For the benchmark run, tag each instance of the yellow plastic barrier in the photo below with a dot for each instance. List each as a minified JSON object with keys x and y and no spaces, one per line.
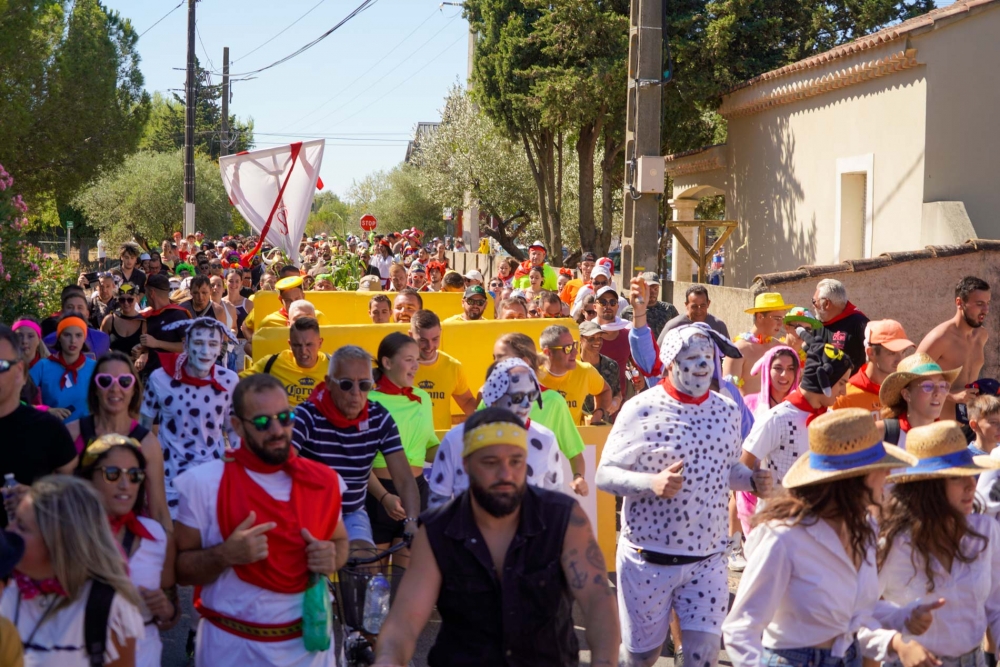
{"x":352,"y":307}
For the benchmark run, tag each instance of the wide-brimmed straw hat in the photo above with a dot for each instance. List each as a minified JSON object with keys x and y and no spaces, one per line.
{"x":844,"y":443}
{"x":941,"y":451}
{"x":909,"y":369}
{"x":768,"y":302}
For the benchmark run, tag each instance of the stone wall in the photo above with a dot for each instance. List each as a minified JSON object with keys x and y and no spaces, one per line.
{"x":727,"y":303}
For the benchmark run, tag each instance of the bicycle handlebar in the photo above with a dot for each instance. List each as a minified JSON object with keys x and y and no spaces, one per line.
{"x":407,"y":540}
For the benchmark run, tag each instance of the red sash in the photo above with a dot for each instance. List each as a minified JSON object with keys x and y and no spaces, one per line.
{"x":314,"y":504}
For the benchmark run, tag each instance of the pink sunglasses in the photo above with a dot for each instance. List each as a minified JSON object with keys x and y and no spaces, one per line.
{"x":105,"y":380}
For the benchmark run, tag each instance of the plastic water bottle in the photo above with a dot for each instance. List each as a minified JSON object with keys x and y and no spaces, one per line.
{"x":376,"y":603}
{"x":316,"y":614}
{"x":9,"y":484}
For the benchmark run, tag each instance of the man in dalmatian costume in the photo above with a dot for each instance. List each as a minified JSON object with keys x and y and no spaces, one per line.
{"x":674,"y":454}
{"x":192,"y":397}
{"x":511,"y":385}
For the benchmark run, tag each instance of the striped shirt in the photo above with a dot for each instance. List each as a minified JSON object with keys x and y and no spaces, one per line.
{"x":350,"y":452}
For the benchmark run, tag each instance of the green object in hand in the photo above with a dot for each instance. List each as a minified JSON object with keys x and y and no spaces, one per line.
{"x":316,"y":614}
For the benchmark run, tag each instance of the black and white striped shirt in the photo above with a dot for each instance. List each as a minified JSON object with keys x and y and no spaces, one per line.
{"x":351,"y":451}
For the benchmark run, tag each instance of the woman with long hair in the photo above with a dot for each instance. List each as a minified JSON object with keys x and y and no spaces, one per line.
{"x":64,"y":376}
{"x":113,"y":398}
{"x":935,"y":551}
{"x":913,"y":396}
{"x":116,"y":467}
{"x":69,"y":556}
{"x":506,"y":273}
{"x":125,"y":326}
{"x":29,"y":331}
{"x":226,"y":313}
{"x":810,"y":588}
{"x":535,"y":276}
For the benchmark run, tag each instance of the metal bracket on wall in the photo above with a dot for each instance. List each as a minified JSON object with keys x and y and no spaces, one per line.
{"x":701,"y":256}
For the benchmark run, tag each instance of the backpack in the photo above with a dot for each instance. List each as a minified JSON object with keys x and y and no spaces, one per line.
{"x":95,"y":621}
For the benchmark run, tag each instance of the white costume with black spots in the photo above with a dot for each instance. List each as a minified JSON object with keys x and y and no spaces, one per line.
{"x":194,"y":422}
{"x":778,"y":438}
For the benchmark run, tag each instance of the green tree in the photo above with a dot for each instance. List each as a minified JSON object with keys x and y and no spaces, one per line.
{"x":143,"y":199}
{"x":329,"y":214}
{"x":398,"y":199}
{"x":71,"y":95}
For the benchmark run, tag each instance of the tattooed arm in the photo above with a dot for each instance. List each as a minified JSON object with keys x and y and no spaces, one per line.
{"x":587,"y":575}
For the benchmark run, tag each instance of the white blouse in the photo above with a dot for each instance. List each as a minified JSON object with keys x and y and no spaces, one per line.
{"x":971,"y":592}
{"x":145,"y":571}
{"x":801,"y":589}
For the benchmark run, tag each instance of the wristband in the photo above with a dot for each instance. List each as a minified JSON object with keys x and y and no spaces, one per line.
{"x":409,"y":519}
{"x":383,"y":497}
{"x":577,"y":475}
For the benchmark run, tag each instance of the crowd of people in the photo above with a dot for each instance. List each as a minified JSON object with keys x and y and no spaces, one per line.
{"x":851,"y":474}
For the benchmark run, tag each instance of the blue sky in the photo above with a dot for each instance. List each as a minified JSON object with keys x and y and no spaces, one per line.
{"x":327,"y":92}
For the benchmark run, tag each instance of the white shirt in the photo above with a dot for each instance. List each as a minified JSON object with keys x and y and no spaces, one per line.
{"x":800,"y":589}
{"x":101,"y":251}
{"x":971,"y":591}
{"x":145,"y":571}
{"x":64,"y":629}
{"x":778,"y":438}
{"x":382,"y":264}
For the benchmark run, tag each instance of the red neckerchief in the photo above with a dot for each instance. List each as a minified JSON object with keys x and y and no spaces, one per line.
{"x":170,"y":368}
{"x":799,"y":401}
{"x":69,"y":370}
{"x":38,"y":357}
{"x":284,"y":313}
{"x":677,"y":394}
{"x":170,"y":306}
{"x":324,"y":403}
{"x":132,"y":523}
{"x":314,"y":505}
{"x":864,"y":383}
{"x":523,"y":269}
{"x":849,"y":310}
{"x":31,"y":589}
{"x":386,"y":386}
{"x":904,"y":423}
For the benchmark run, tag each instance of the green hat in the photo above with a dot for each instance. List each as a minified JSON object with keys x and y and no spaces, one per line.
{"x":475,"y":290}
{"x":800,"y":314}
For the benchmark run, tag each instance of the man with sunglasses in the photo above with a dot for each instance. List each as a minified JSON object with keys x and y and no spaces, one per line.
{"x":339,"y":427}
{"x":575,"y":380}
{"x":473,"y":305}
{"x":615,"y":346}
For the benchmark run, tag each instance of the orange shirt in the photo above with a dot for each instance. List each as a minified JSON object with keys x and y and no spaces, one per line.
{"x":569,"y":290}
{"x":861,"y":393}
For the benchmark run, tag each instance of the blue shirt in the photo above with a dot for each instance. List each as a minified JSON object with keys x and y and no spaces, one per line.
{"x":47,"y":374}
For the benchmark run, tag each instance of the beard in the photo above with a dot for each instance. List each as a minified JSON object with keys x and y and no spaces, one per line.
{"x":272,"y":457}
{"x":975,"y":324}
{"x":497,"y":504}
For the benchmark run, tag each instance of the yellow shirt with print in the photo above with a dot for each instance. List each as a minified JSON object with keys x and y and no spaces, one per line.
{"x":575,"y":386}
{"x":442,"y":380}
{"x":298,"y":382}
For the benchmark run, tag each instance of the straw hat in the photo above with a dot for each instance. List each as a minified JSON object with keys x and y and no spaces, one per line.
{"x":909,"y":369}
{"x":767,"y":302}
{"x":941,"y":451}
{"x":844,"y":443}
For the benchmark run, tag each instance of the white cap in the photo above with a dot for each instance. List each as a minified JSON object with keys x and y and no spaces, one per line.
{"x":605,"y":290}
{"x":537,"y":244}
{"x":474,"y":274}
{"x":600,"y":270}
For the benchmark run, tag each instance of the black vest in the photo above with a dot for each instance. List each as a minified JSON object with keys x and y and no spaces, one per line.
{"x":525,"y":619}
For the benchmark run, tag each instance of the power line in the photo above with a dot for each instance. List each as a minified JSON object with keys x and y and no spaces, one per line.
{"x":179,"y":4}
{"x":320,"y":136}
{"x":280,"y":33}
{"x":204,"y":50}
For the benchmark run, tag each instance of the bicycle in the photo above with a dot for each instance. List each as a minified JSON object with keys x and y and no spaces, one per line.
{"x":349,"y":589}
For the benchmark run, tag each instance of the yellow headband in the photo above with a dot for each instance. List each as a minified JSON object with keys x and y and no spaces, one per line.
{"x":497,"y":433}
{"x":104,"y":443}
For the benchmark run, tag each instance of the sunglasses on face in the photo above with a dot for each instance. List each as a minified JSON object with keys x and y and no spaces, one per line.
{"x":478,"y":303}
{"x":105,"y":380}
{"x":364,"y":386}
{"x":263,"y":422}
{"x":566,"y":349}
{"x":127,"y":299}
{"x":519,"y":397}
{"x":114,"y":473}
{"x":608,"y":303}
{"x":590,"y":313}
{"x":6,"y":365}
{"x":931,"y":387}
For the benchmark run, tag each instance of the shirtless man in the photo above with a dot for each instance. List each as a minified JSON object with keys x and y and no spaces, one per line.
{"x":960,"y":340}
{"x":768,"y":321}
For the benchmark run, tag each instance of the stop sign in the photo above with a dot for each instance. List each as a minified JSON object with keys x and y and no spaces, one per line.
{"x":368,"y":222}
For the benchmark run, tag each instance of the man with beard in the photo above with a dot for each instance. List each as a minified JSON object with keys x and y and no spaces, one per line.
{"x":488,"y":562}
{"x":959,"y":342}
{"x":673,"y":454}
{"x":191,"y":396}
{"x":251,"y":530}
{"x":474,"y":302}
{"x":407,"y":302}
{"x":397,"y":278}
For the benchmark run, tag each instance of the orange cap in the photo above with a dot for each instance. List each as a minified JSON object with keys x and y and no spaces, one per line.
{"x":887,"y":333}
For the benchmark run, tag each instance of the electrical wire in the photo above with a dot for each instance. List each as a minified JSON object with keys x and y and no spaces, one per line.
{"x":179,"y":4}
{"x":254,"y":50}
{"x":204,"y":50}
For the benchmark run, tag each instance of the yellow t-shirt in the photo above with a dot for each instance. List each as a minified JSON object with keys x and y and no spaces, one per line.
{"x":575,"y":386}
{"x":11,"y":653}
{"x":455,"y":318}
{"x":299,"y":382}
{"x":276,"y":319}
{"x":442,"y":380}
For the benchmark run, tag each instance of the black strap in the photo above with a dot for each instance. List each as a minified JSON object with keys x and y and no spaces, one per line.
{"x":139,"y":432}
{"x":127,"y":542}
{"x":95,"y":621}
{"x":270,"y":363}
{"x":892,"y":431}
{"x":88,"y":431}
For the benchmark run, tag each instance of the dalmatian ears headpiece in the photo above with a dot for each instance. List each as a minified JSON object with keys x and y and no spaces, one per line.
{"x":499,"y":380}
{"x":206,"y":322}
{"x":679,"y":337}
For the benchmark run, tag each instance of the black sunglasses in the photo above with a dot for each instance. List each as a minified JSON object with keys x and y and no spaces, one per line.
{"x":263,"y":422}
{"x":607,"y":303}
{"x":6,"y":365}
{"x":519,"y":397}
{"x":348,"y":385}
{"x":479,"y":303}
{"x":114,"y":473}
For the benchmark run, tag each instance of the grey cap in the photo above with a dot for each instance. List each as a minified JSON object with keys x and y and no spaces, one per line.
{"x":650,"y":277}
{"x":590,"y":328}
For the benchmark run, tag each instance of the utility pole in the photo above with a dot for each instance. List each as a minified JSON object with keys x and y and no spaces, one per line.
{"x":225,"y":101}
{"x":189,"y":126}
{"x":643,"y":163}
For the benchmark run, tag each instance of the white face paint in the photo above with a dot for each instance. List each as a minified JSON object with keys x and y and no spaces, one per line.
{"x":691,"y":371}
{"x":521,"y":393}
{"x":203,"y":347}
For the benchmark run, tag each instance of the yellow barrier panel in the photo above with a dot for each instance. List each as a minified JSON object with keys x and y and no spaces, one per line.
{"x":352,"y":307}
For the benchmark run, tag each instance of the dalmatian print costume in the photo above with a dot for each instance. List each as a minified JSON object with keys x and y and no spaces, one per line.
{"x":544,"y":462}
{"x":654,"y":430}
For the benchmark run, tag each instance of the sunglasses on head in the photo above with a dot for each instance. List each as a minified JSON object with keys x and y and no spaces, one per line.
{"x":347,"y":385}
{"x":263,"y":422}
{"x":114,"y":473}
{"x":105,"y":380}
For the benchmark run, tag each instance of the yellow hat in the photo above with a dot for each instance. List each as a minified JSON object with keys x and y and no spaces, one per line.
{"x":288,"y":283}
{"x":941,"y":451}
{"x":497,"y":433}
{"x":767,"y":302}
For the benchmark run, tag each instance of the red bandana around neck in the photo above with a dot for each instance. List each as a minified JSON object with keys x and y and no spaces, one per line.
{"x":284,"y":313}
{"x":904,"y":423}
{"x":153,"y":313}
{"x":849,"y":310}
{"x":677,"y":394}
{"x":69,"y":376}
{"x":314,"y":504}
{"x":799,"y":401}
{"x":864,"y":383}
{"x":31,"y":589}
{"x":181,"y":374}
{"x":324,"y":403}
{"x":132,"y":523}
{"x":388,"y":387}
